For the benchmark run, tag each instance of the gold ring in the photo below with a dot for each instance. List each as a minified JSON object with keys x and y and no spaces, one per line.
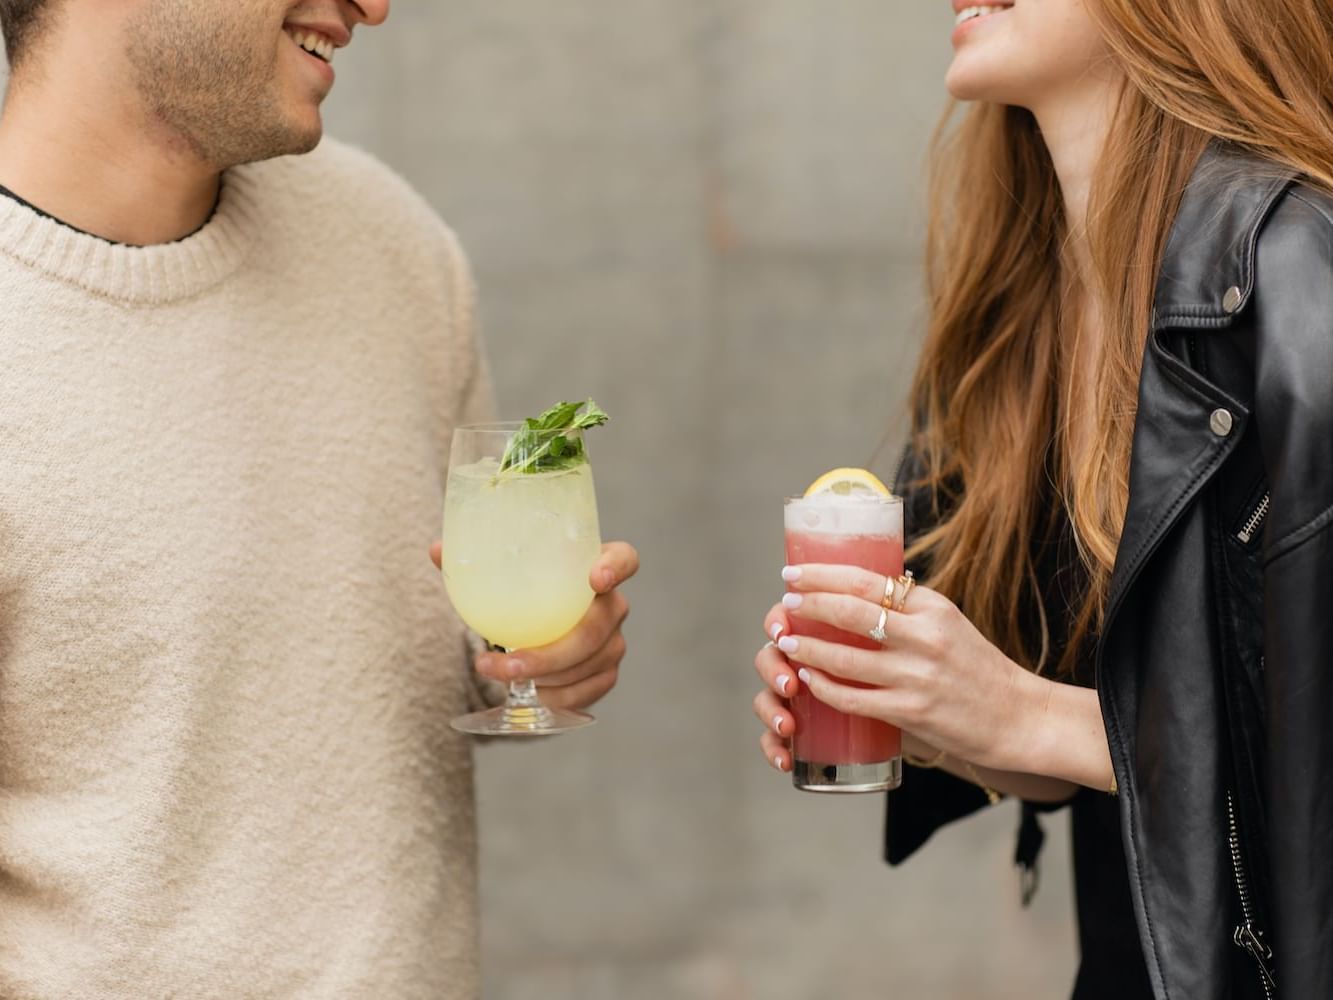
{"x":887,"y":601}
{"x":877,"y":633}
{"x":907,"y":581}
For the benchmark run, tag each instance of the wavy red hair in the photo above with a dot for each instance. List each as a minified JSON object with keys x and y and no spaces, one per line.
{"x":997,"y":394}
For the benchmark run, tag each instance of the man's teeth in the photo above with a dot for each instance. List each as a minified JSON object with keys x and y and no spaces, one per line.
{"x":314,"y":44}
{"x":967,"y":13}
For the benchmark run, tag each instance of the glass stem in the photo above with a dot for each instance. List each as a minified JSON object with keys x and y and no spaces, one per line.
{"x":523,"y":694}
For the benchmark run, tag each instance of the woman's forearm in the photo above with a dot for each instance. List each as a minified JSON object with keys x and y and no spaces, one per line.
{"x":1015,"y":784}
{"x":1062,"y":735}
{"x":1054,"y":744}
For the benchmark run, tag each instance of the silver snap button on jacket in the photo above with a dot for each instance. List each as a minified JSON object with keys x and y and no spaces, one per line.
{"x":1231,"y":300}
{"x":1221,"y":422}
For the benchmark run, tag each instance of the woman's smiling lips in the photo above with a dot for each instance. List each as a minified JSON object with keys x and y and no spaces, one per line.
{"x":968,"y":15}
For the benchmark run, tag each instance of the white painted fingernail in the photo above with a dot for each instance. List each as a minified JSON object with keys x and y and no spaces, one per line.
{"x":792,"y":601}
{"x":791,"y":573}
{"x":778,"y":761}
{"x":782,"y":682}
{"x":804,"y":675}
{"x":777,"y":724}
{"x":788,"y":644}
{"x":776,"y":631}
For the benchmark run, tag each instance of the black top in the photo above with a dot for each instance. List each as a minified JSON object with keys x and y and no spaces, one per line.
{"x":1112,"y":966}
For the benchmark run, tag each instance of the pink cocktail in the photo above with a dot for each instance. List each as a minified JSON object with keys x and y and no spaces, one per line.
{"x":833,"y":751}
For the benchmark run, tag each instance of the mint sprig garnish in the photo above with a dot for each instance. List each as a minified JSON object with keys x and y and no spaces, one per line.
{"x":540,"y":447}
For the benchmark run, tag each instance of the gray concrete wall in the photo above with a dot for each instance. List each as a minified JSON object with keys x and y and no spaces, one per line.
{"x":708,"y":215}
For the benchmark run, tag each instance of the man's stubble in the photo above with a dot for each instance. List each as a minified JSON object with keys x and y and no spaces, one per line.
{"x":208,"y":71}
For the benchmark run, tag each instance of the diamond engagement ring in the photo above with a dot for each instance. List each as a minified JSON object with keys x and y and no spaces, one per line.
{"x":877,"y":633}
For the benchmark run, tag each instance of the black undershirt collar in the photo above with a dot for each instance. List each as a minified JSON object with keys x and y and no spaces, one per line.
{"x":4,"y":191}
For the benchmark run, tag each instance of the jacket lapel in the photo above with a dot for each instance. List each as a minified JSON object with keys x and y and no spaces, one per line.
{"x":1205,"y":283}
{"x":1185,"y":429}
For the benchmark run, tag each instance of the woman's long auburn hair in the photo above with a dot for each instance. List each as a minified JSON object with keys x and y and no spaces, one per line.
{"x":996,"y":386}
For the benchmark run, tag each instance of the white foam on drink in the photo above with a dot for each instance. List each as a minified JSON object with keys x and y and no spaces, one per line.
{"x":841,"y":514}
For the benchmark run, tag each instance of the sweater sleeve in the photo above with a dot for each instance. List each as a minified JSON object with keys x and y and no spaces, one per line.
{"x":475,"y":405}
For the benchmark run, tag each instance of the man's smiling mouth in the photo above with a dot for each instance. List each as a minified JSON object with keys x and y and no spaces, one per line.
{"x":319,"y":46}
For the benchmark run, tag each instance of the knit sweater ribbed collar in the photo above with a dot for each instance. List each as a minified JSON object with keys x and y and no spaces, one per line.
{"x":154,"y":275}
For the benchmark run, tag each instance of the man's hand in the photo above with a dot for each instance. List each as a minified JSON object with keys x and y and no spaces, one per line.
{"x":578,"y":670}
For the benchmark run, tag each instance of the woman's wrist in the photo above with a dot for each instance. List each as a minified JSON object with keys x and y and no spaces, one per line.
{"x":1018,"y":719}
{"x":1058,"y":732}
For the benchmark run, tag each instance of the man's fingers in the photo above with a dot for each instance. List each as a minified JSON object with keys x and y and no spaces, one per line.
{"x":608,"y":656}
{"x":618,"y":562}
{"x":582,"y":694}
{"x":603,"y":618}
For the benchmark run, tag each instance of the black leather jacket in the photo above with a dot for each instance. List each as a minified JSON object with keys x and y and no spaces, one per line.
{"x":1215,"y":667}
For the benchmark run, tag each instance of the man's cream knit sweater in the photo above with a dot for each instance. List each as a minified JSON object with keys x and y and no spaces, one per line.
{"x":227,"y":666}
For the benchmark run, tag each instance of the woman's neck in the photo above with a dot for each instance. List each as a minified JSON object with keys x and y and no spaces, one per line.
{"x":1075,"y":125}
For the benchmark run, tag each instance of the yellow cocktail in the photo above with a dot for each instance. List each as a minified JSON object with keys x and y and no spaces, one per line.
{"x":520,"y":539}
{"x":518,"y":550}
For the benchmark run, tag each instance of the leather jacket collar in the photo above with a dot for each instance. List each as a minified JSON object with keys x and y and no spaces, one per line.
{"x":1207,"y":273}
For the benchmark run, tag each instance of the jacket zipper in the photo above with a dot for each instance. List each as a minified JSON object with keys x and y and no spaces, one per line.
{"x":1255,"y":520}
{"x":1246,"y":937}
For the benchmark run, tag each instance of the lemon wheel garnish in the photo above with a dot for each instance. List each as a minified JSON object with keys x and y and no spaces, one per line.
{"x":848,"y":482}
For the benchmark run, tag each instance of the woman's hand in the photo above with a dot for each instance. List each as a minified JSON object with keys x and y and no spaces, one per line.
{"x":770,"y":704}
{"x":774,"y":710}
{"x":935,"y":676}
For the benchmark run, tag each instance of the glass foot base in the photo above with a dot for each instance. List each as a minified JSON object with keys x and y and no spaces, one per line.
{"x":522,"y":720}
{"x":843,"y":779}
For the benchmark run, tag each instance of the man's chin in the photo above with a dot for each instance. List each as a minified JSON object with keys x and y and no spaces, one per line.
{"x":307,"y":139}
{"x":292,"y":140}
{"x":305,"y":129}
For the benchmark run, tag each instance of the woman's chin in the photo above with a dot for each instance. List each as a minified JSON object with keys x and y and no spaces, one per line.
{"x":968,"y":82}
{"x":975,"y":84}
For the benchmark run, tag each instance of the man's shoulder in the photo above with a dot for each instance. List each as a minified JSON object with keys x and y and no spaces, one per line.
{"x":338,"y":181}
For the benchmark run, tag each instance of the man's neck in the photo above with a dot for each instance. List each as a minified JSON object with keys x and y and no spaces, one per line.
{"x":96,"y":161}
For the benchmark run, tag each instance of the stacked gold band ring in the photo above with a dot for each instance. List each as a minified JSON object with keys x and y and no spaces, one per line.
{"x":896,"y":590}
{"x":906,"y":582}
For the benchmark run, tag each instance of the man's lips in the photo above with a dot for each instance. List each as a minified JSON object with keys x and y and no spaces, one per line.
{"x":320,"y":40}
